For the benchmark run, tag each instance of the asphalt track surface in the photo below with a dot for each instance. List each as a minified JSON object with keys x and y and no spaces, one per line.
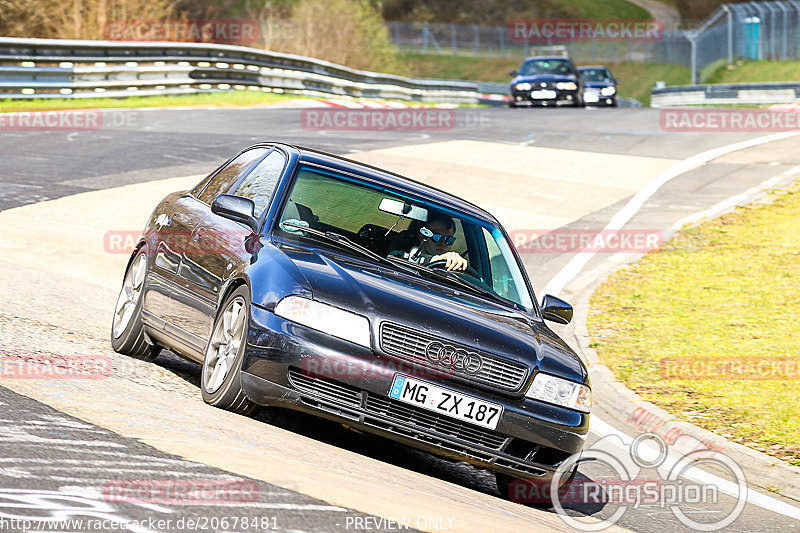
{"x":45,"y":453}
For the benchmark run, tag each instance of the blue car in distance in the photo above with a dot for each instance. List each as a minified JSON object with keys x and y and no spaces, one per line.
{"x":545,"y":81}
{"x":306,"y":281}
{"x":599,"y":86}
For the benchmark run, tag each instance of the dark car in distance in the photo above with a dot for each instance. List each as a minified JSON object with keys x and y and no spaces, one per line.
{"x":545,"y":81}
{"x":599,"y":86}
{"x":293,"y":276}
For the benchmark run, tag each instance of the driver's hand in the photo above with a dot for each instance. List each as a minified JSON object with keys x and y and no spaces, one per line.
{"x":454,"y":261}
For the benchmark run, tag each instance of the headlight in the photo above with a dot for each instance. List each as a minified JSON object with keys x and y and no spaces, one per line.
{"x":325,"y":318}
{"x":561,"y":392}
{"x":523,"y":86}
{"x":608,"y":91}
{"x":566,"y":86}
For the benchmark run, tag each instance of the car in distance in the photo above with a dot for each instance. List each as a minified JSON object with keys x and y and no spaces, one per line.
{"x":599,"y":86}
{"x":303,"y":280}
{"x":545,"y":81}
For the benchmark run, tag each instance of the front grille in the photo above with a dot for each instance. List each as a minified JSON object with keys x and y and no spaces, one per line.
{"x":393,"y":410}
{"x":326,"y":389}
{"x":410,"y":344}
{"x":424,"y":426}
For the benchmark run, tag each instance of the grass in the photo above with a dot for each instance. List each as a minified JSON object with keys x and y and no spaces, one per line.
{"x":607,"y":9}
{"x":757,"y":71}
{"x":728,"y":288}
{"x":222,"y":99}
{"x":637,"y":78}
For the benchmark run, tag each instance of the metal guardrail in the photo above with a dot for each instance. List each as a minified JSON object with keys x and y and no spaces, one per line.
{"x":726,"y":94}
{"x":53,"y":68}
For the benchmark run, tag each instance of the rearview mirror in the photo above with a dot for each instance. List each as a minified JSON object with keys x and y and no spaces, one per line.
{"x":556,"y":310}
{"x":396,"y":207}
{"x":237,"y":209}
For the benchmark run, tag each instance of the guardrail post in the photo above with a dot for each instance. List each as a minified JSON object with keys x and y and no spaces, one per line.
{"x":477,"y":40}
{"x":453,"y":42}
{"x":693,"y":44}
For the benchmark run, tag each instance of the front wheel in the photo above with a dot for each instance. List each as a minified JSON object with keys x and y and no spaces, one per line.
{"x":127,"y":329}
{"x":532,"y":493}
{"x":221,"y":382}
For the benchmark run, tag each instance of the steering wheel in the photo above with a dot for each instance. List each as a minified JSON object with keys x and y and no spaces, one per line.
{"x":441,"y":264}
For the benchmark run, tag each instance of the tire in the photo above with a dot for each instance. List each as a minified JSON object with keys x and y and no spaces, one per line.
{"x":221,"y":376}
{"x":531,"y":493}
{"x":127,"y":330}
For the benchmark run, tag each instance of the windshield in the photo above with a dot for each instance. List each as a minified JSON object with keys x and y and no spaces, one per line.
{"x":596,"y":74}
{"x":404,"y":229}
{"x":561,"y":67}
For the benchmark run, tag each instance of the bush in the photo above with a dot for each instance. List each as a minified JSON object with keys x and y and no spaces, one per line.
{"x":74,"y":19}
{"x":349,"y":32}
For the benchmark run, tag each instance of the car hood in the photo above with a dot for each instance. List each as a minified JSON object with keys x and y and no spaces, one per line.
{"x":597,"y":84}
{"x":383,"y":294}
{"x":544,"y":78}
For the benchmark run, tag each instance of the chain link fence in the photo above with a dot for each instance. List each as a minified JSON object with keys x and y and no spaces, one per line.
{"x":748,"y":30}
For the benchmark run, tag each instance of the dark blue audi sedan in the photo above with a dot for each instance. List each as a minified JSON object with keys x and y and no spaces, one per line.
{"x":599,"y":86}
{"x":545,"y":81}
{"x":303,"y":280}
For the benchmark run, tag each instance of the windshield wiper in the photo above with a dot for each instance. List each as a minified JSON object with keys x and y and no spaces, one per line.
{"x":338,"y":238}
{"x":447,"y":275}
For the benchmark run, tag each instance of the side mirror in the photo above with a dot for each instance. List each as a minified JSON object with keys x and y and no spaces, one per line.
{"x":237,"y":209}
{"x":556,"y":310}
{"x":512,"y":73}
{"x":617,"y":80}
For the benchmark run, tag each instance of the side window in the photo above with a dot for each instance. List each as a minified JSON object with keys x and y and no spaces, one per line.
{"x":260,"y":183}
{"x":502,"y":279}
{"x":229,"y":175}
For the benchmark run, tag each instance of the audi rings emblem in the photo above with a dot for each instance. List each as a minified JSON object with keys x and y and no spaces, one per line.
{"x":448,"y":355}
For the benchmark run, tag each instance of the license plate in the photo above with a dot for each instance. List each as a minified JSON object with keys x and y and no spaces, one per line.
{"x":543,"y":95}
{"x":591,"y":97}
{"x":444,"y":401}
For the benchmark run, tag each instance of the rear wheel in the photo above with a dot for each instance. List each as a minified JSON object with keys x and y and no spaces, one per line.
{"x":127,"y":330}
{"x":221,"y":382}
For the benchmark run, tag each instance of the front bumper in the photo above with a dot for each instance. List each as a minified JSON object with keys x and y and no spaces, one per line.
{"x":560,"y":98}
{"x":293,"y":366}
{"x":595,"y":98}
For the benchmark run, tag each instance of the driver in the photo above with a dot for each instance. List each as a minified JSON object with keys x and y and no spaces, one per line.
{"x":437,"y":247}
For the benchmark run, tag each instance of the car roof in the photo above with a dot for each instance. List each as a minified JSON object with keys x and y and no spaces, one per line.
{"x":592,"y":66}
{"x":312,"y":155}
{"x":549,"y":58}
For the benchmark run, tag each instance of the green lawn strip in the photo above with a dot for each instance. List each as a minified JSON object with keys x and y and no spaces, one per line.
{"x":729,"y":288}
{"x":608,"y":9}
{"x":757,"y":71}
{"x":219,"y":99}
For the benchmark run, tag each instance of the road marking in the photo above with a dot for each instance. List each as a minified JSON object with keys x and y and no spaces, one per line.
{"x":580,"y":260}
{"x":724,"y":205}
